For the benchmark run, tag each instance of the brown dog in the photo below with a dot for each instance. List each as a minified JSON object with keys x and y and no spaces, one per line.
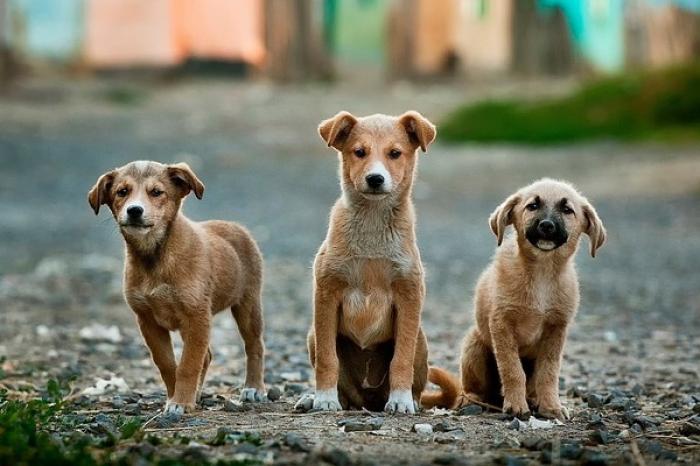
{"x":179,"y":273}
{"x":524,"y":303}
{"x":366,"y":343}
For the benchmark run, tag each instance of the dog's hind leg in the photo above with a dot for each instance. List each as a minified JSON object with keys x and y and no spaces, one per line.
{"x":203,"y":375}
{"x":474,"y":368}
{"x":249,"y":318}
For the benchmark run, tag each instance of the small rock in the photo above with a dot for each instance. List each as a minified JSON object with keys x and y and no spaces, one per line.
{"x":620,"y":404}
{"x":470,"y":410}
{"x":444,"y":426}
{"x":688,"y":428}
{"x":118,"y":402}
{"x":599,"y":437}
{"x":305,"y":404}
{"x":533,"y":442}
{"x":295,"y":442}
{"x":591,"y":457}
{"x":247,"y":449}
{"x":336,"y":457}
{"x":646,"y":422}
{"x":570,"y":451}
{"x":360,"y":424}
{"x":625,"y":435}
{"x":658,"y":451}
{"x":506,"y":441}
{"x":165,"y":421}
{"x":514,"y":424}
{"x":422,"y":429}
{"x":696,"y":408}
{"x":235,"y":406}
{"x":274,"y":393}
{"x":596,"y":401}
{"x":132,"y":409}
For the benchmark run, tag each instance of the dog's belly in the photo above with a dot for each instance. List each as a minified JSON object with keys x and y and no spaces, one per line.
{"x":366,"y":317}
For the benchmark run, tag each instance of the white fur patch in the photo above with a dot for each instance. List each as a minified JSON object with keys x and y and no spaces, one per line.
{"x":378,"y":168}
{"x":327,"y":400}
{"x":400,"y":401}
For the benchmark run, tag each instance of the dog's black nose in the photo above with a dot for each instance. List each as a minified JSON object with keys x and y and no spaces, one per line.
{"x":546,"y":227}
{"x":374,"y":181}
{"x":134,"y":211}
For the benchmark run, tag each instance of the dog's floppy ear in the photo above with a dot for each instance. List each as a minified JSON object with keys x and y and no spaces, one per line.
{"x":335,"y":130}
{"x":420,"y":131}
{"x":185,"y":179}
{"x":594,"y":228}
{"x":502,"y":217}
{"x":99,"y":194}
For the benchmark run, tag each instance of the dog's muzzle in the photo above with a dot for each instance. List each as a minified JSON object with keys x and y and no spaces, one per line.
{"x":547,"y":234}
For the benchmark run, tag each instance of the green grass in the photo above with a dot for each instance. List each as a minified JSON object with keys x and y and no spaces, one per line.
{"x":653,"y":105}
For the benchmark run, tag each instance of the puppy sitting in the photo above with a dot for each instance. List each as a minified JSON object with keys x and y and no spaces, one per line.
{"x":366,"y":343}
{"x":524,"y":303}
{"x":179,"y":273}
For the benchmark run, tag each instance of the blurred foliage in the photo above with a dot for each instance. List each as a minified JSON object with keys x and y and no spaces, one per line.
{"x":660,"y":104}
{"x":40,"y":432}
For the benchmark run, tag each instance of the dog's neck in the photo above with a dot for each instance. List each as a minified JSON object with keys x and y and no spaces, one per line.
{"x":376,"y":228}
{"x":541,"y":264}
{"x":148,"y":251}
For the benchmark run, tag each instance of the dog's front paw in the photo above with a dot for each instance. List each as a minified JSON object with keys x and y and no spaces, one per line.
{"x":555,"y":411}
{"x":327,"y":400}
{"x":517,"y":407}
{"x":252,"y":395}
{"x":401,"y":402}
{"x":173,"y":408}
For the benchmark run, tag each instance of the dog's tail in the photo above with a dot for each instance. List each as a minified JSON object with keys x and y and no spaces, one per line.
{"x":449,"y":393}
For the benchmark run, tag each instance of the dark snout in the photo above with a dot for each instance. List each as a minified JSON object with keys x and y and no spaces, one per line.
{"x":135,"y":212}
{"x":374,"y":181}
{"x":547,"y":233}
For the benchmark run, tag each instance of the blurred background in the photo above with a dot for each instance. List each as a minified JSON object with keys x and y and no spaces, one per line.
{"x":604,"y":93}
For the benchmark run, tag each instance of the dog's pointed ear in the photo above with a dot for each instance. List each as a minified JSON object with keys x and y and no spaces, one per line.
{"x":594,"y":228}
{"x":99,"y":194}
{"x":335,"y":130}
{"x":503,"y":216}
{"x":185,"y":179}
{"x":420,"y":130}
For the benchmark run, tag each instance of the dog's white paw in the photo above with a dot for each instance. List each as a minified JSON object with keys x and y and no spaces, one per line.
{"x":327,"y":400}
{"x":174,"y":409}
{"x":252,"y":395}
{"x":401,"y":402}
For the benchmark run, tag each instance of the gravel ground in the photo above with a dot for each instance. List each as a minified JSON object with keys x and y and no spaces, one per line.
{"x":630,"y":376}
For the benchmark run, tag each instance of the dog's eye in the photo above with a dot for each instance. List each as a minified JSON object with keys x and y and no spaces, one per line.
{"x":533,"y":206}
{"x":360,"y":152}
{"x":122,"y":192}
{"x":156,"y":192}
{"x":394,"y":154}
{"x":567,"y":210}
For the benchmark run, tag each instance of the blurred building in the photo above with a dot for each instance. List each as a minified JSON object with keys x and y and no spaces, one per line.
{"x":300,"y":39}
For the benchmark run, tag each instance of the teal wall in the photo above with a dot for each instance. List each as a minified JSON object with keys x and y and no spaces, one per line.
{"x":597,"y":27}
{"x":46,"y":29}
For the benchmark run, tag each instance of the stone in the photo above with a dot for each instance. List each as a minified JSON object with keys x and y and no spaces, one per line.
{"x":361,"y":424}
{"x":274,"y":393}
{"x":423,"y":429}
{"x":470,"y":410}
{"x":295,"y":442}
{"x":596,"y":401}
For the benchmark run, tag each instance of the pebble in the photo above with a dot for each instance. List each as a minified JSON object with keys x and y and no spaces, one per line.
{"x":444,"y":426}
{"x":591,"y":457}
{"x":596,"y":401}
{"x":470,"y":410}
{"x":305,"y":404}
{"x":274,"y":393}
{"x":423,"y":429}
{"x":165,"y":421}
{"x":118,"y":402}
{"x":688,"y":428}
{"x":658,"y":451}
{"x":295,"y":442}
{"x":361,"y":424}
{"x":599,"y":437}
{"x":294,"y":388}
{"x":646,"y":422}
{"x":336,"y":457}
{"x":620,"y":404}
{"x":506,"y":441}
{"x":235,"y":406}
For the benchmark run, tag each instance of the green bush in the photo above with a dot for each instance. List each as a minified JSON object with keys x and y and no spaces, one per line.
{"x":634,"y":106}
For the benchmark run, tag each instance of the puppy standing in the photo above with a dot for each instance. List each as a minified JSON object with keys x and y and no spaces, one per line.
{"x":179,"y":273}
{"x":524,"y":303}
{"x":366,"y":343}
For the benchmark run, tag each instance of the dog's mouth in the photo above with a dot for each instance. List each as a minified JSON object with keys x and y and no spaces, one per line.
{"x":133,"y":226}
{"x":374,"y":195}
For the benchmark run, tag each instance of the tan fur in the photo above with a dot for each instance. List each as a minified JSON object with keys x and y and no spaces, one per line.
{"x":524,"y":303}
{"x":179,"y":273}
{"x":366,"y":339}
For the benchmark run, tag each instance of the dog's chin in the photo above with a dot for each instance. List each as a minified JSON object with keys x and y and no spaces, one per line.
{"x":373,"y":195}
{"x":134,"y":229}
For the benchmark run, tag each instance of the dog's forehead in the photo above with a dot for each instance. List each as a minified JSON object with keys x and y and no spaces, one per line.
{"x":377,"y":125}
{"x":551,"y":190}
{"x":141,"y":170}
